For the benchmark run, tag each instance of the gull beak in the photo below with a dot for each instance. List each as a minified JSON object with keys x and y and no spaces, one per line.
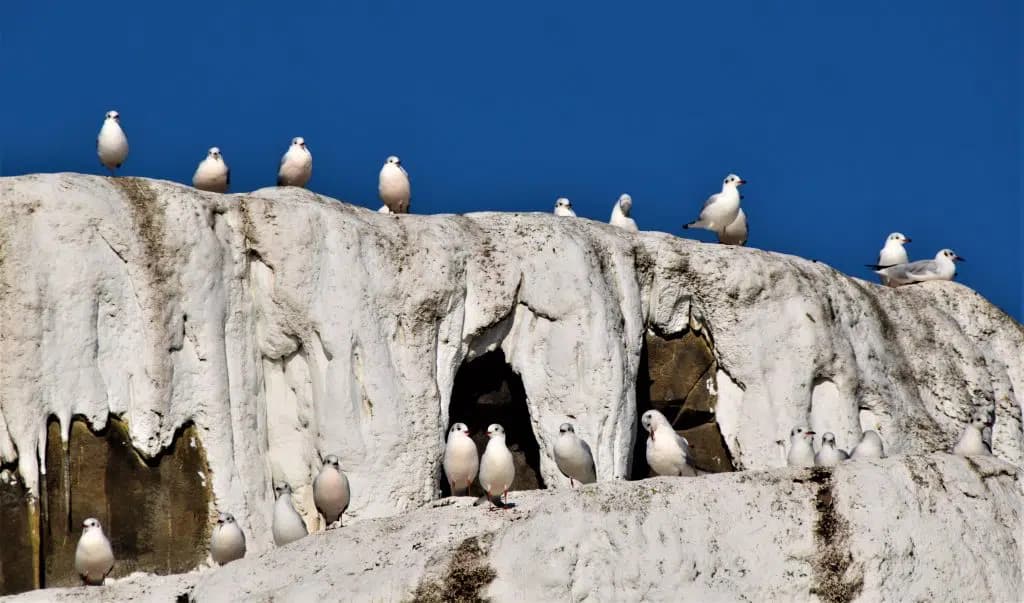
{"x":958,"y":259}
{"x":810,"y":433}
{"x":907,"y":239}
{"x":742,"y":181}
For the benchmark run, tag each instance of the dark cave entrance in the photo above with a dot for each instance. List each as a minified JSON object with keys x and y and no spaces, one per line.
{"x":673,"y":377}
{"x":487,"y":391}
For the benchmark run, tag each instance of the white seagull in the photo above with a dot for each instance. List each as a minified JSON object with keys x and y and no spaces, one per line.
{"x":213,"y":174}
{"x":564,"y":208}
{"x":93,"y":556}
{"x":288,"y":525}
{"x":620,"y":214}
{"x":829,"y":455}
{"x":331,"y":492}
{"x":942,"y":268}
{"x":461,"y":460}
{"x":573,"y":456}
{"x":668,"y":453}
{"x":720,"y":209}
{"x":112,"y":144}
{"x":736,"y":232}
{"x":393,"y":186}
{"x":892,"y":253}
{"x":869,"y":447}
{"x":971,"y":442}
{"x":497,"y":469}
{"x":296,"y":164}
{"x":801,"y":448}
{"x":227,"y":542}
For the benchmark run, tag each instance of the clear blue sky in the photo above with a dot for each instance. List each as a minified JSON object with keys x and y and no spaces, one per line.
{"x":849,"y":120}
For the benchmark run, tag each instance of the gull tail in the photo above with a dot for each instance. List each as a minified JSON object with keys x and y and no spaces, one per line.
{"x":695,"y":224}
{"x":876,"y":266}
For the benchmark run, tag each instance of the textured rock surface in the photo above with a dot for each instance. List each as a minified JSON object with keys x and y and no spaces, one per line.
{"x":287,"y":326}
{"x":917,"y":528}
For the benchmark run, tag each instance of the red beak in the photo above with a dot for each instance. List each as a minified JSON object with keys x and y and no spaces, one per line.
{"x":743,"y":181}
{"x":810,"y":433}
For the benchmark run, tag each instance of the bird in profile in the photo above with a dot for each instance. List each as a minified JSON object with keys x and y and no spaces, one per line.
{"x":573,"y":456}
{"x":296,"y":165}
{"x":213,"y":174}
{"x":393,"y":186}
{"x":668,"y":453}
{"x":563,"y":207}
{"x":869,"y":447}
{"x":227,"y":542}
{"x":892,"y":253}
{"x":801,"y":448}
{"x":287,"y":526}
{"x":620,"y":214}
{"x":972,"y":442}
{"x":112,"y":144}
{"x":720,"y":209}
{"x":942,"y":268}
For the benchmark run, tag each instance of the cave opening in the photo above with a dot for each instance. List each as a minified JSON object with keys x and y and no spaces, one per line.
{"x":676,"y":376}
{"x":486,"y":391}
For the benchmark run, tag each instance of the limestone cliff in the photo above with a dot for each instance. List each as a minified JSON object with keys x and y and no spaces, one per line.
{"x":280,"y":326}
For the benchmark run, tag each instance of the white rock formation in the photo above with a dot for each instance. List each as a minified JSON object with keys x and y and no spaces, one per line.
{"x":894,"y":529}
{"x":286,"y":325}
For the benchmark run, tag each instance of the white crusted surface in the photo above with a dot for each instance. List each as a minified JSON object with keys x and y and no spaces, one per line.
{"x":314,"y":327}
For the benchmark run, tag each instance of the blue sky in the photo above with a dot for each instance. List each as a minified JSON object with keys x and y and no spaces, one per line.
{"x":849,"y":120}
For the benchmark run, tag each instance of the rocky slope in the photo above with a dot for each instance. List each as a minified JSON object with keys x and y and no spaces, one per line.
{"x":279,"y":326}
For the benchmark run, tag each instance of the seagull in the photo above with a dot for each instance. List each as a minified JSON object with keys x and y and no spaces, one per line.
{"x":461,"y":459}
{"x":288,"y":525}
{"x":497,"y":469}
{"x":892,"y":253}
{"x":112,"y":144}
{"x":564,"y":208}
{"x":93,"y":556}
{"x":296,"y":165}
{"x":971,"y":442}
{"x":736,"y":232}
{"x":942,"y":268}
{"x":393,"y":186}
{"x":829,"y":455}
{"x":213,"y":174}
{"x":668,"y":453}
{"x":620,"y":214}
{"x":869,"y":447}
{"x":330,"y":491}
{"x":227,"y":542}
{"x":573,"y":456}
{"x":801,"y":448}
{"x":722,"y":208}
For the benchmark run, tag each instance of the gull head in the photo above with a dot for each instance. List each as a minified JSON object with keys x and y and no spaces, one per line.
{"x":299,"y":141}
{"x":225,"y":518}
{"x":459,"y":428}
{"x":563,"y":202}
{"x":979,"y":422}
{"x":897,"y":237}
{"x":90,"y":524}
{"x":799,"y":432}
{"x":566,"y":428}
{"x":332,"y":460}
{"x":829,"y":439}
{"x":494,"y":430}
{"x":625,"y":203}
{"x":114,"y":115}
{"x":282,"y":489}
{"x":394,"y":160}
{"x":214,"y":153}
{"x":733,"y":180}
{"x":950,"y":255}
{"x":653,"y":419}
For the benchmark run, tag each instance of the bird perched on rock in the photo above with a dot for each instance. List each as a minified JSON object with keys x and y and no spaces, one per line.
{"x":829,"y":455}
{"x":393,"y":186}
{"x":331,"y":492}
{"x":296,"y":165}
{"x":722,"y":208}
{"x":620,"y":214}
{"x":461,"y":460}
{"x":112,"y":144}
{"x":736,"y":232}
{"x":869,"y":447}
{"x":892,"y":253}
{"x":942,"y":268}
{"x":573,"y":456}
{"x":93,"y":556}
{"x":563,"y":207}
{"x":213,"y":174}
{"x":227,"y":542}
{"x":668,"y":453}
{"x":971,"y":442}
{"x":801,"y":448}
{"x":288,"y":525}
{"x":497,"y":469}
